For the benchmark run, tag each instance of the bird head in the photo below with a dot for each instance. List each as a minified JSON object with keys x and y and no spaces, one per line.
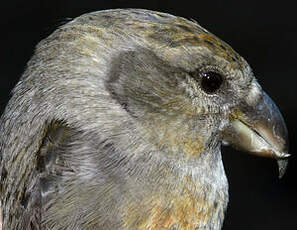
{"x":174,"y":84}
{"x":111,"y":109}
{"x":191,"y":91}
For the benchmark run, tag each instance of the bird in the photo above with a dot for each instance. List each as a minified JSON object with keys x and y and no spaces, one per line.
{"x":117,"y":123}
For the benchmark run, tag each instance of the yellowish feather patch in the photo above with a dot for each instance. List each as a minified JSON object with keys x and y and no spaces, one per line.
{"x":169,"y":211}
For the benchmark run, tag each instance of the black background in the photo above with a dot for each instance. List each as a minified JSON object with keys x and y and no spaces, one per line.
{"x":263,"y":32}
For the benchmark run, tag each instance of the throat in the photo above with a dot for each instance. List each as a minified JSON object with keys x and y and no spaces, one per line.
{"x":194,"y":198}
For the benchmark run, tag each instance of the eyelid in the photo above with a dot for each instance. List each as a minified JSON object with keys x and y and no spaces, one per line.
{"x":204,"y":69}
{"x":208,"y":68}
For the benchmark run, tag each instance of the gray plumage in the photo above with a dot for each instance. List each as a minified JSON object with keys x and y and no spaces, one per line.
{"x":109,"y":127}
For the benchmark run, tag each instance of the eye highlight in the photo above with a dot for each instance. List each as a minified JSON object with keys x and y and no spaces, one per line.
{"x":211,"y":81}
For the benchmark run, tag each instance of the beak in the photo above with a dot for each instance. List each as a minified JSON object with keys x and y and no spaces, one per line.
{"x":259,"y":130}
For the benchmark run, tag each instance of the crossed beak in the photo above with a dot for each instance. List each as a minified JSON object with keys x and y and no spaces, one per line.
{"x":259,"y":130}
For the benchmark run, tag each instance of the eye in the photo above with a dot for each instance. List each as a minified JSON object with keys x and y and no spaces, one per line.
{"x":211,"y":81}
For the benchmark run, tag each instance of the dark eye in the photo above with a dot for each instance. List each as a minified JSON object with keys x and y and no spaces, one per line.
{"x":211,"y":81}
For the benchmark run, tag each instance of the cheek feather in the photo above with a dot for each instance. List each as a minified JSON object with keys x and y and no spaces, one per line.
{"x":193,"y":147}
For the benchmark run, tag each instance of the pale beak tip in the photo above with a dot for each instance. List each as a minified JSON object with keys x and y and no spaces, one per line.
{"x":286,"y":155}
{"x":282,"y":166}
